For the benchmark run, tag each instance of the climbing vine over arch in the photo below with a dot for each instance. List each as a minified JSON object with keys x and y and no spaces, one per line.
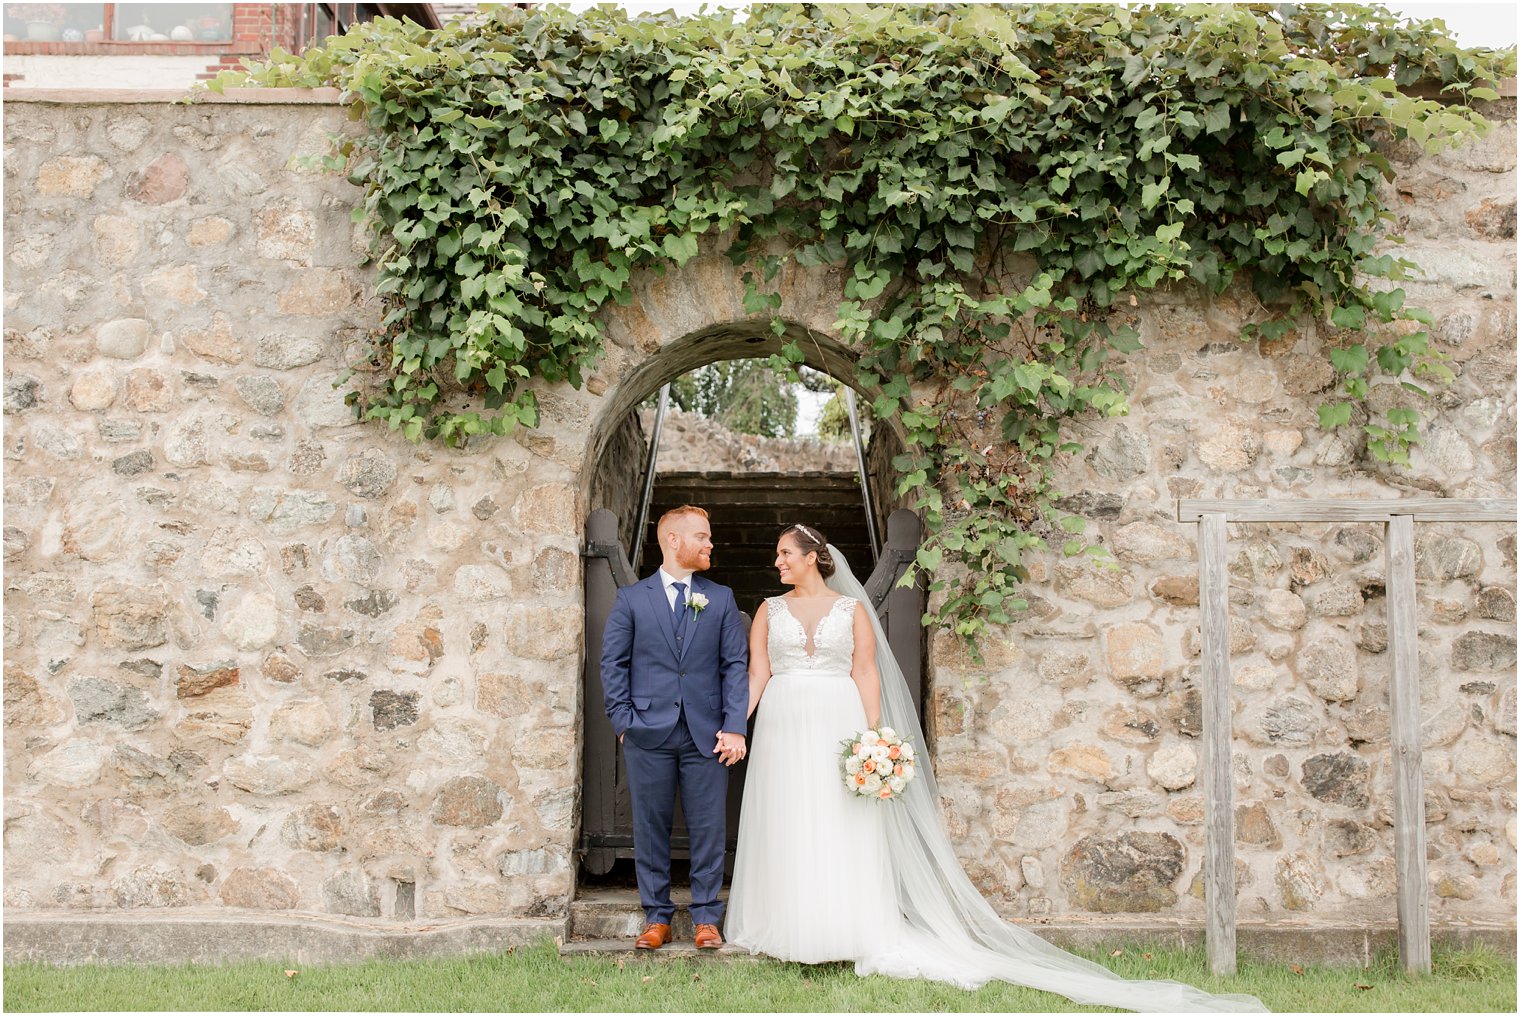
{"x":519,"y":171}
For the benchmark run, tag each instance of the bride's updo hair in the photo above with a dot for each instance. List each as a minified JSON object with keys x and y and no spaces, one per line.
{"x":813,"y":542}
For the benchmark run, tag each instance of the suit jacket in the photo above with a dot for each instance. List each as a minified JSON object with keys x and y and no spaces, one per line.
{"x":647,"y":684}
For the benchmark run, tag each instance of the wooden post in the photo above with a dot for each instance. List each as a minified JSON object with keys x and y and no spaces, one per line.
{"x":1408,"y":779}
{"x":1398,"y":516}
{"x":1219,"y":813}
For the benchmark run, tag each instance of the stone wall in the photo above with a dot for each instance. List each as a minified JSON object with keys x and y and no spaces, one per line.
{"x":693,"y":443}
{"x":1071,"y":759}
{"x":259,"y":657}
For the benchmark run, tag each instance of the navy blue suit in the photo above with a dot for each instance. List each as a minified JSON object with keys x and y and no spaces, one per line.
{"x":668,"y":702}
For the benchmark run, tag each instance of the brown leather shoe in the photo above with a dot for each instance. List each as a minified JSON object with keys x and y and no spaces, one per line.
{"x":708,"y":937}
{"x":654,"y":936}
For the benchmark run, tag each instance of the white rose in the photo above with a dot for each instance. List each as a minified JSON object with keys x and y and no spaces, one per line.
{"x":872,"y":784}
{"x":888,"y":733}
{"x":906,"y":751}
{"x":897,"y":783}
{"x":852,"y":764}
{"x":869,"y":737}
{"x":881,"y":755}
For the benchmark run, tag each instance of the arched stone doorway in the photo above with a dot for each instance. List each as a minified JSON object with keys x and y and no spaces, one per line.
{"x":747,"y":513}
{"x":618,"y":444}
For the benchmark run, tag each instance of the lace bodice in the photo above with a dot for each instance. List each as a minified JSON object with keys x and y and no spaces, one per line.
{"x":831,"y":648}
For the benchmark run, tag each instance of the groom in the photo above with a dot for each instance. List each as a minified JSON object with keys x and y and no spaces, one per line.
{"x":675,"y":673}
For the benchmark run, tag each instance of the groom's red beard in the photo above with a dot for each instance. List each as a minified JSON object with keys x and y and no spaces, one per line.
{"x":696,"y":560}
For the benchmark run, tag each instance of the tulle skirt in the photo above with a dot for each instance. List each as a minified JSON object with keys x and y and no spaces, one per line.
{"x":822,"y":875}
{"x":812,"y":881}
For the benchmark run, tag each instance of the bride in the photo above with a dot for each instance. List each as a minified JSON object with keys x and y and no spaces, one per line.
{"x":824,"y":875}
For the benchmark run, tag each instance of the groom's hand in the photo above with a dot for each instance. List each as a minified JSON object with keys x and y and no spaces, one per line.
{"x":730,"y":748}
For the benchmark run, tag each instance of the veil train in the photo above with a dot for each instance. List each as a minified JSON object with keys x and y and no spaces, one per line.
{"x":953,"y":934}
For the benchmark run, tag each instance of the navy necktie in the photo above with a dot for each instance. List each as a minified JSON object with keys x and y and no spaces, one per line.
{"x":680,"y":616}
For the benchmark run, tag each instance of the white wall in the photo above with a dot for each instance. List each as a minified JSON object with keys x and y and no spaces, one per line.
{"x":106,"y":71}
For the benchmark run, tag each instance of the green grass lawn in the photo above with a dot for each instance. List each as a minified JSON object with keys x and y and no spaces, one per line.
{"x":537,"y":979}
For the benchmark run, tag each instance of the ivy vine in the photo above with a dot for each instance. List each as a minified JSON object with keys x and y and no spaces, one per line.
{"x":519,"y":171}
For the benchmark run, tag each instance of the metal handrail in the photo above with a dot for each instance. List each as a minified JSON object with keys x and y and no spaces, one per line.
{"x":867,"y":501}
{"x":644,"y":498}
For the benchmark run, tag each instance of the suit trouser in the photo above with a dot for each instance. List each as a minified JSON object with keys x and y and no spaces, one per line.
{"x":655,"y":776}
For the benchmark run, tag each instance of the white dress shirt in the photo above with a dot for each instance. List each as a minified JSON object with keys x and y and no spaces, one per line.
{"x":670,"y":588}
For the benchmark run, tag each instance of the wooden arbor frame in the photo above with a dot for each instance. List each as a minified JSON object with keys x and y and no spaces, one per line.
{"x":1398,"y":517}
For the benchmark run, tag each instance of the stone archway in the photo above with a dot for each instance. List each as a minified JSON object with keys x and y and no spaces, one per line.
{"x":644,"y":354}
{"x":616,"y":454}
{"x":687,"y":317}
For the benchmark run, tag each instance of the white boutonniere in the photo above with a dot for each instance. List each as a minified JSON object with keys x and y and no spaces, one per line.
{"x":697,"y":602}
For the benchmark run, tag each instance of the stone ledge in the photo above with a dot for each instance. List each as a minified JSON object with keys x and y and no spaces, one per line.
{"x":221,"y":937}
{"x":1283,"y":941}
{"x":170,"y":96}
{"x":606,"y":924}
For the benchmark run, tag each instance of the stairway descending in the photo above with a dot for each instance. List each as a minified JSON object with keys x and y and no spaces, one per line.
{"x":748,"y":512}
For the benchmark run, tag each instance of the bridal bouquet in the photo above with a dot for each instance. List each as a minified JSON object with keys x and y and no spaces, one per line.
{"x":877,"y":763}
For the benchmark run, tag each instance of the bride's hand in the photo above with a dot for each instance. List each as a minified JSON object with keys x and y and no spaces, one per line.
{"x":730,"y":748}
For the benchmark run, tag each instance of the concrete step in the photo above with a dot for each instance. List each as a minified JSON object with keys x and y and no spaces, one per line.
{"x":623,"y":948}
{"x":615,"y":915}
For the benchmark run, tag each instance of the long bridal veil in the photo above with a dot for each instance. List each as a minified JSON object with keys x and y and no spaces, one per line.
{"x":953,"y":934}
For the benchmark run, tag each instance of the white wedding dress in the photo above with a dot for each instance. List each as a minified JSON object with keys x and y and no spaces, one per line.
{"x":823,"y":875}
{"x":826,"y":895}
